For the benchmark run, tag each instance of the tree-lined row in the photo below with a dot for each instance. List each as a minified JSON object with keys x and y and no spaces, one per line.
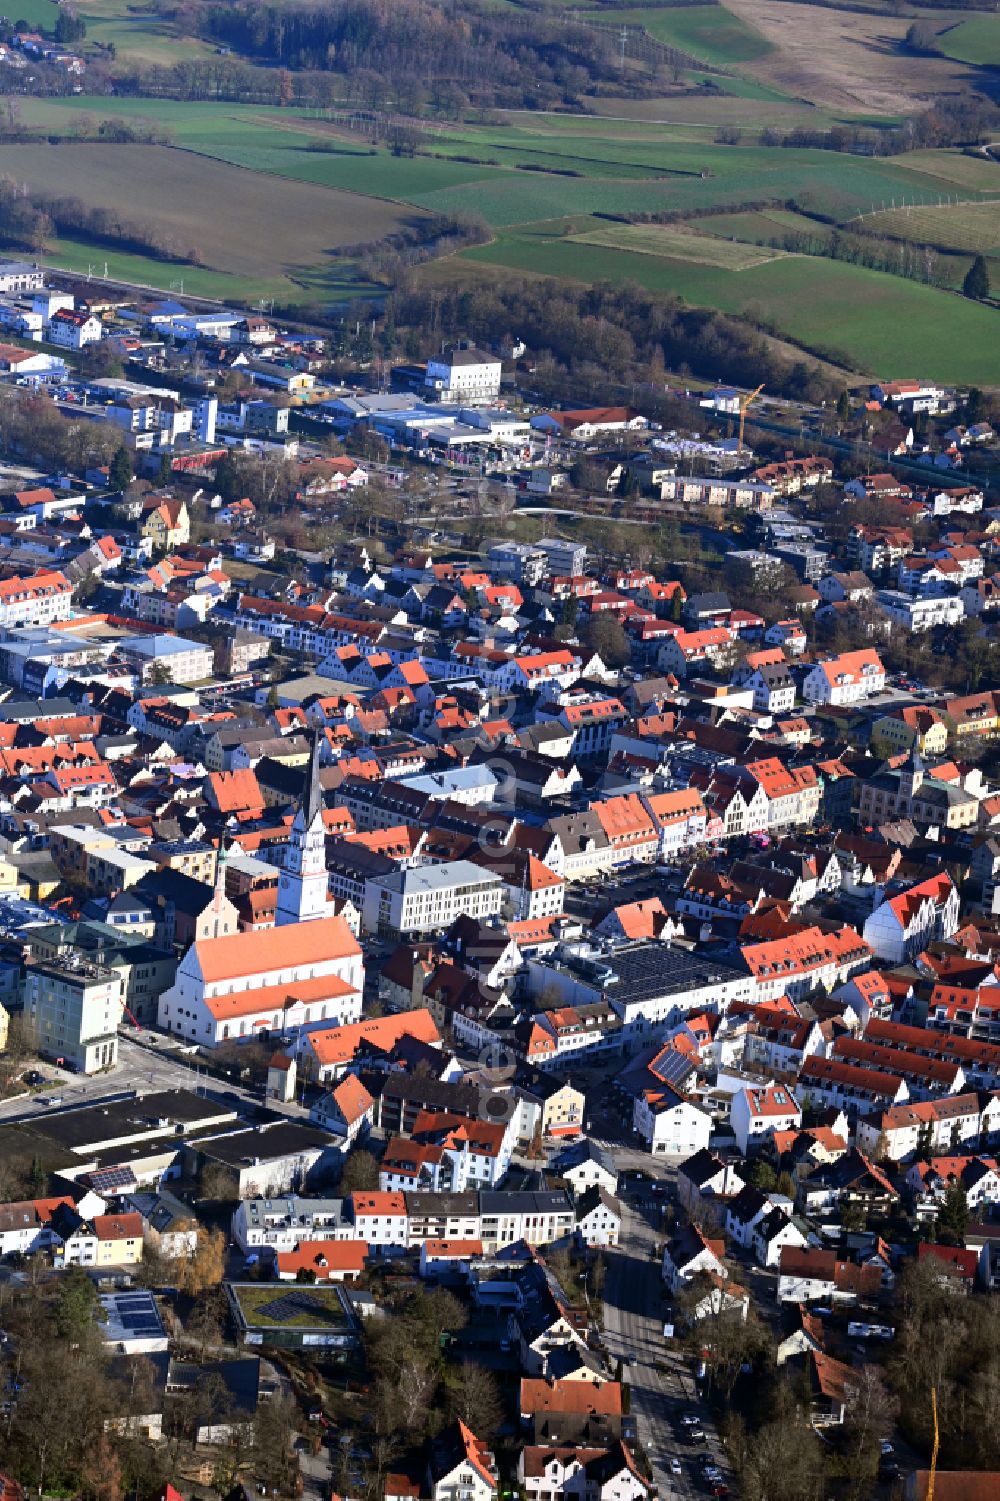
{"x":32,"y":220}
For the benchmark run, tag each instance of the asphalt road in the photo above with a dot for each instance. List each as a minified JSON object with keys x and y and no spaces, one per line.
{"x":661,"y":1380}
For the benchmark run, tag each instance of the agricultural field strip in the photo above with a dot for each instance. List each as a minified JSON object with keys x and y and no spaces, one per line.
{"x":865,"y":319}
{"x":204,"y":204}
{"x":819,"y":181}
{"x":971,"y":226}
{"x":680,"y":244}
{"x":710,"y":33}
{"x":246,"y":139}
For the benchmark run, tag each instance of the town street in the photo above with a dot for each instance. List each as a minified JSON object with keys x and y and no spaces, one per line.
{"x":661,"y":1380}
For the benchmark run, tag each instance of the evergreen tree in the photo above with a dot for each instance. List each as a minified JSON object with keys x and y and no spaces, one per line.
{"x":762,"y":1175}
{"x":227,"y":479}
{"x":69,"y":26}
{"x":977,"y":280}
{"x":953,"y":1216}
{"x":77,"y":1304}
{"x":120,"y":469}
{"x":923,"y":1142}
{"x":844,"y":407}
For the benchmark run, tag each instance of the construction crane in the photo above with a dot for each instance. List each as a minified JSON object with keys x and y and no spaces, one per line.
{"x":934,"y":1452}
{"x":744,"y":404}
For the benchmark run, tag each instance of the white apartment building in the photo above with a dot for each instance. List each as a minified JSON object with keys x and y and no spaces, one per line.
{"x":851,"y":678}
{"x":38,"y":600}
{"x":919,"y":614}
{"x":680,"y":818}
{"x":670,"y":1125}
{"x":74,"y":330}
{"x":428,"y":899}
{"x":381,"y":1220}
{"x":184,"y":661}
{"x":463,"y":374}
{"x":957,"y":1124}
{"x":279,"y":1224}
{"x":756,"y":1114}
{"x":19,"y":276}
{"x":390,"y":1220}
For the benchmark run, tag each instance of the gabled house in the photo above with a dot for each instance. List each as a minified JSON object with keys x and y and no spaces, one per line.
{"x":581,"y":1474}
{"x":588,"y":1411}
{"x":903,"y":925}
{"x":461,"y":1467}
{"x":544,"y":1322}
{"x":829,"y":1383}
{"x":808,"y":1274}
{"x":710,"y":1296}
{"x":322,"y":1261}
{"x":852,"y":1182}
{"x":852,"y":677}
{"x":669,"y":1123}
{"x":346,"y":1110}
{"x":598,"y":1218}
{"x":587,"y":1165}
{"x":688,"y":1253}
{"x":772,"y":1234}
{"x":704,"y":1181}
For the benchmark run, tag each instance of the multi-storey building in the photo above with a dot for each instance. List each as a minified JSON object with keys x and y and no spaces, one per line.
{"x":73,"y":1009}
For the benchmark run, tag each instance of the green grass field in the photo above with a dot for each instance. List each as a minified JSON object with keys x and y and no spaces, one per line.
{"x":41,"y":15}
{"x":953,"y":170}
{"x":974,"y":41}
{"x":822,"y":181}
{"x":678,"y":243}
{"x":140,"y":34}
{"x":762,"y":225}
{"x":623,"y":165}
{"x":865,"y":319}
{"x":708,"y":32}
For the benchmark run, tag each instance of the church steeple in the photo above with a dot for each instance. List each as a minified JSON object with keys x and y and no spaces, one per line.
{"x":312,"y":797}
{"x":911,"y":779}
{"x":303,"y":891}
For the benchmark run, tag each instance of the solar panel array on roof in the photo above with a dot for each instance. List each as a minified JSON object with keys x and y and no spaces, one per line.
{"x":111,"y":1180}
{"x":672,"y":1067}
{"x":290,"y":1305}
{"x":137,"y":1313}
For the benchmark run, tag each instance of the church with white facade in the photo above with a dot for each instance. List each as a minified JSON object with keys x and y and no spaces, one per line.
{"x":307,"y":969}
